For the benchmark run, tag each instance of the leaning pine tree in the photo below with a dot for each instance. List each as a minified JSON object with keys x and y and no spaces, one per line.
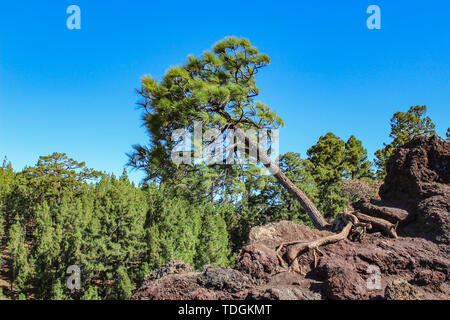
{"x":219,"y":89}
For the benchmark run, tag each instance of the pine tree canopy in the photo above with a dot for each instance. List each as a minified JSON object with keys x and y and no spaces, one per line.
{"x":218,"y":89}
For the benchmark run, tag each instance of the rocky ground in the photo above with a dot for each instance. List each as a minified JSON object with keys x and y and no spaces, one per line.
{"x":414,"y":266}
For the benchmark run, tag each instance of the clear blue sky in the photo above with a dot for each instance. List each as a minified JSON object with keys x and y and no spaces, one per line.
{"x":73,"y":91}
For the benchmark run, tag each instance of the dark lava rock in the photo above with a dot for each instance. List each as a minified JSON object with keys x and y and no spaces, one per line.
{"x":417,"y":170}
{"x":416,"y":190}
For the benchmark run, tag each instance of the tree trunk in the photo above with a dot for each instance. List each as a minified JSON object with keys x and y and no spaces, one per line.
{"x":317,"y":219}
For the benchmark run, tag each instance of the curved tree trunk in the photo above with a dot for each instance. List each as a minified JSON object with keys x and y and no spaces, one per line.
{"x":317,"y":219}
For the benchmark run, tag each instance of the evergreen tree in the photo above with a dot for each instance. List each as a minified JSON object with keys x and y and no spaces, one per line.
{"x":7,"y":181}
{"x":19,"y":264}
{"x":115,"y":238}
{"x":328,"y":157}
{"x":404,"y":126}
{"x":46,"y":251}
{"x":356,"y":164}
{"x":124,"y":285}
{"x":56,"y":174}
{"x":172,"y":227}
{"x":213,"y":240}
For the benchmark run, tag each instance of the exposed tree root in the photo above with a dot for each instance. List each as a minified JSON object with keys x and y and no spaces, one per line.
{"x":385,"y":226}
{"x":298,"y":247}
{"x":382,"y":210}
{"x":354,"y":224}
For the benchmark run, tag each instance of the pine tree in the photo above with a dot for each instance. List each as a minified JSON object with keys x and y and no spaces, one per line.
{"x":328,"y":157}
{"x":356,"y":164}
{"x":46,"y":251}
{"x":213,"y":240}
{"x":56,"y":174}
{"x":124,"y":285}
{"x":19,"y":264}
{"x":115,"y":238}
{"x":404,"y":126}
{"x":172,"y":226}
{"x":7,"y":181}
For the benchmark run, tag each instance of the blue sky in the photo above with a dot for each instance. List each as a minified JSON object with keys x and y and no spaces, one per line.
{"x":73,"y":91}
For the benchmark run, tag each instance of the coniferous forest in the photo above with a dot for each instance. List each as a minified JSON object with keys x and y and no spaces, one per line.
{"x":60,"y":212}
